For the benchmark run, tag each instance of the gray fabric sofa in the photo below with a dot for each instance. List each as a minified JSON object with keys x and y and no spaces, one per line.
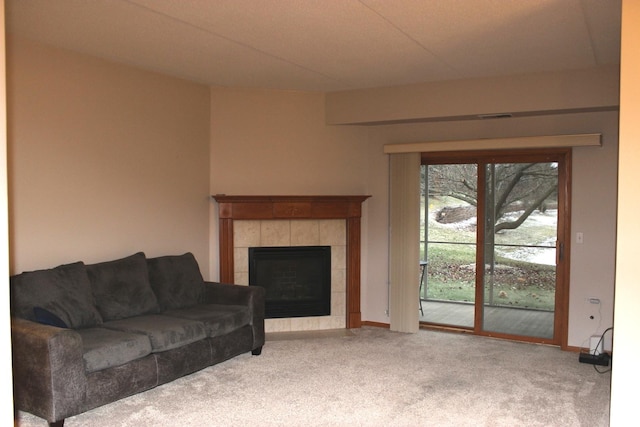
{"x":87,"y":335}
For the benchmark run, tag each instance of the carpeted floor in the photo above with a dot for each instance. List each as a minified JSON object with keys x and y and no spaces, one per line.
{"x":373,"y":377}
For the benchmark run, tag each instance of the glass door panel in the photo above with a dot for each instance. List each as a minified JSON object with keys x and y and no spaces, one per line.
{"x":519,"y":248}
{"x":449,"y":220}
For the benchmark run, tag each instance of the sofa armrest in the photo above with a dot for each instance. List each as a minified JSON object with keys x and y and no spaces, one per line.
{"x":252,"y":296}
{"x":48,"y":370}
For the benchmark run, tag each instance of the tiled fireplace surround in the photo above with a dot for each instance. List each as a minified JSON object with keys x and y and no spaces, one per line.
{"x":261,"y":221}
{"x":261,"y":233}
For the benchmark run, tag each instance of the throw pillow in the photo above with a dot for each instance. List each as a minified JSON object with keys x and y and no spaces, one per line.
{"x":176,"y":280}
{"x":64,"y":291}
{"x":46,"y":317}
{"x":121,"y":287}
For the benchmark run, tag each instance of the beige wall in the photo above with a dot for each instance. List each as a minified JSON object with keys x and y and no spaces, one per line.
{"x":266,"y":142}
{"x":276,"y":142}
{"x":83,"y":187}
{"x":104,"y":160}
{"x":581,"y":101}
{"x":594,"y":207}
{"x":6,"y":389}
{"x":520,"y":94}
{"x":625,"y":374}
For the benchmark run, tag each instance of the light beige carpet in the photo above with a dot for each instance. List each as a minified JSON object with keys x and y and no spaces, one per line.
{"x":374,"y":377}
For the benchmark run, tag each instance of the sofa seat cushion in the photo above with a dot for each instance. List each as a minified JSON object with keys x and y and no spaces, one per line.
{"x":164,"y":332}
{"x":121,"y":287}
{"x":219,"y":319}
{"x":63,"y":292}
{"x":176,"y":280}
{"x":105,"y":348}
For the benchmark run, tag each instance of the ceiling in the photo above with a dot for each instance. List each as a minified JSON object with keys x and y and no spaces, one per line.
{"x":329,"y":45}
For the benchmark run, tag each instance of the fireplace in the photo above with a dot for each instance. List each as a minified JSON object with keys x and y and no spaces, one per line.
{"x":278,"y":221}
{"x":297,"y":279}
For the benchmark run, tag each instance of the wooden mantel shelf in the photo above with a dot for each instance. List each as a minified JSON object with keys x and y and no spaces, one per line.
{"x":232,"y":208}
{"x":289,"y":207}
{"x":271,"y":198}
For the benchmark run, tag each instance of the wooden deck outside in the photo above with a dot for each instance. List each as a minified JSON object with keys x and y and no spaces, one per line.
{"x":516,"y":321}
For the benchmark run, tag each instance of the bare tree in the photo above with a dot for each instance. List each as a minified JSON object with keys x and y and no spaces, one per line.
{"x":510,"y":187}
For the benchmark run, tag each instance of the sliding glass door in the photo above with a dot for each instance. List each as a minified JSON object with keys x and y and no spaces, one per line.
{"x":493,"y":245}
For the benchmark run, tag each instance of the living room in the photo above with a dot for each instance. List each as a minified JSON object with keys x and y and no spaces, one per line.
{"x":106,"y":159}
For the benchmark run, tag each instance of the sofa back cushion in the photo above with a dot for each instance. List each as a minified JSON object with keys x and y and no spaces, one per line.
{"x":60,"y":294}
{"x":121,"y":287}
{"x":176,"y":281}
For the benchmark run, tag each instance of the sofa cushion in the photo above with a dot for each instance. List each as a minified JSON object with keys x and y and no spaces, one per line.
{"x":63,"y":291}
{"x":218,"y":319}
{"x":176,"y":281}
{"x":121,"y":287}
{"x":164,"y":332}
{"x":104,"y":348}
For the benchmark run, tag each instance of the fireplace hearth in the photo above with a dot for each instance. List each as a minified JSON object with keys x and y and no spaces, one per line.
{"x":297,"y":279}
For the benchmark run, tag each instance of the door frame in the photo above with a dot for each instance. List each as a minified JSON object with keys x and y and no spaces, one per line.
{"x":563,"y":247}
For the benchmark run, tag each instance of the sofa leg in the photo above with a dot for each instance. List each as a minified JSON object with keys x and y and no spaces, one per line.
{"x":57,"y":423}
{"x":256,"y":351}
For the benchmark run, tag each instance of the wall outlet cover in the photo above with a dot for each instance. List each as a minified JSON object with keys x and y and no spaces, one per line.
{"x":596,"y":345}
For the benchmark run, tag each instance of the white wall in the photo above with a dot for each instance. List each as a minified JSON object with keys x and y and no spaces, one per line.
{"x":104,"y":160}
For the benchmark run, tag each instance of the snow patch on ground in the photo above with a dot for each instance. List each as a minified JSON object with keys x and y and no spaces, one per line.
{"x":545,"y":255}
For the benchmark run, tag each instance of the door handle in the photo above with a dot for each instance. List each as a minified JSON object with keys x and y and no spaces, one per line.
{"x":560,"y":251}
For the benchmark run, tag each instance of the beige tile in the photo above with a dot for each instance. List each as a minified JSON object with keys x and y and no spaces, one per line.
{"x":324,"y":322}
{"x":297,"y":233}
{"x":337,"y":322}
{"x":277,"y":325}
{"x":275,"y":233}
{"x":305,"y":233}
{"x":246,"y":233}
{"x":300,"y":335}
{"x":338,"y":303}
{"x":333,"y":232}
{"x":241,"y":278}
{"x":305,"y":324}
{"x":338,"y":280}
{"x":338,"y":257}
{"x":241,"y":260}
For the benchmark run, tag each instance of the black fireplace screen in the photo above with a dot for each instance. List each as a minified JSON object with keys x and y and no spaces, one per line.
{"x":297,"y":279}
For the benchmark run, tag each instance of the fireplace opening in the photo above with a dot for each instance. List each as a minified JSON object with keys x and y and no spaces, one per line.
{"x":297,"y":279}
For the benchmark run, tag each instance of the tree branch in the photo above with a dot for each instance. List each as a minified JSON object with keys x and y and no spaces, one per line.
{"x":510,"y":225}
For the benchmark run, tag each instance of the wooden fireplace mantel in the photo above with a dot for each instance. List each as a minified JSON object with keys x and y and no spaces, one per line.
{"x":232,"y":208}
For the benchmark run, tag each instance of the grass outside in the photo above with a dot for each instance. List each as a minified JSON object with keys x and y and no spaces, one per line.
{"x":513,"y":282}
